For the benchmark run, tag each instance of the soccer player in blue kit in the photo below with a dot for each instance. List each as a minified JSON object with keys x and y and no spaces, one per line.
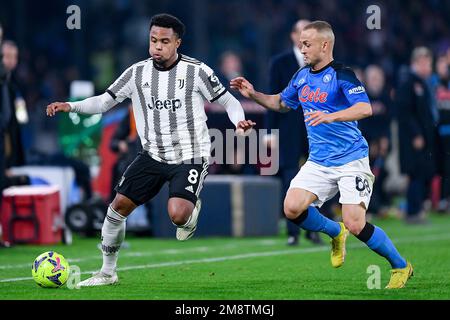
{"x":332,"y":99}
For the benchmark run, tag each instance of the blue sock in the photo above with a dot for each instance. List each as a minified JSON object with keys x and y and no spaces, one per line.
{"x":313,"y":220}
{"x":377,"y":240}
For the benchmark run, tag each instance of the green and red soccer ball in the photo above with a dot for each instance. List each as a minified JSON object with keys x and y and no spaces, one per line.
{"x":50,"y":270}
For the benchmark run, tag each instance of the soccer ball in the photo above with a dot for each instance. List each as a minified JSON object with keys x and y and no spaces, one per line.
{"x":50,"y":270}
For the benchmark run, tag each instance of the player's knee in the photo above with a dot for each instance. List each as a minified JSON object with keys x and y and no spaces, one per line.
{"x":294,"y":208}
{"x":123,"y":205}
{"x":179,"y":213}
{"x":354,"y":226}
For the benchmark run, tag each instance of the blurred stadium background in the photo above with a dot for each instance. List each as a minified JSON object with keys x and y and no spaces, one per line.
{"x":76,"y":154}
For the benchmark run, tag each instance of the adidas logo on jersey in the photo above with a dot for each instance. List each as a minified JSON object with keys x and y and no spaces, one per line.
{"x":146,"y":85}
{"x":190,"y":188}
{"x":169,"y":104}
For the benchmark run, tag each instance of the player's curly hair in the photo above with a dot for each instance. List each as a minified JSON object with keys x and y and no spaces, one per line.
{"x":165,"y":20}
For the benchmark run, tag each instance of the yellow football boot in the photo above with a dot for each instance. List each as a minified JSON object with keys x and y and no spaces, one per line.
{"x":338,"y":247}
{"x":399,"y":277}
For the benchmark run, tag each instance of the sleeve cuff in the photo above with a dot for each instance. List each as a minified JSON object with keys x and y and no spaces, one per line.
{"x":288,"y":103}
{"x":111,"y":94}
{"x":219,"y":95}
{"x":71,"y":106}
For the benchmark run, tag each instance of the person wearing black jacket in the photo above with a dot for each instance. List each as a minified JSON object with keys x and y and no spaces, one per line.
{"x":417,"y":120}
{"x":2,"y":137}
{"x":440,"y":83}
{"x":14,"y":151}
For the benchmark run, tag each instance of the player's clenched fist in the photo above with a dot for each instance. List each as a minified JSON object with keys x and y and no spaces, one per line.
{"x":244,"y":127}
{"x":55,"y":107}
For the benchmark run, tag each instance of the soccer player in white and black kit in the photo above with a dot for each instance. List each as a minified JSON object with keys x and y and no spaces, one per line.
{"x":167,"y":93}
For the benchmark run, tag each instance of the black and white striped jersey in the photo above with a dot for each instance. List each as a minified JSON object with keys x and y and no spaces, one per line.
{"x":168,"y":106}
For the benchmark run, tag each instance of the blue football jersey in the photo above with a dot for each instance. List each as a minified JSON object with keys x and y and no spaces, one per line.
{"x":330,"y":89}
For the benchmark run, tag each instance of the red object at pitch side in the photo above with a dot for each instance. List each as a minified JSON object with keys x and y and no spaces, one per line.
{"x":31,"y":214}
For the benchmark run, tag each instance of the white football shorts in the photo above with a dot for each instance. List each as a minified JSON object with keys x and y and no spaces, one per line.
{"x":353,"y":180}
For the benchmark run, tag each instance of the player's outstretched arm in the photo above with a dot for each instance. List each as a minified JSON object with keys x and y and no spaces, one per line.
{"x":236,"y":113}
{"x":272,"y":102}
{"x":93,"y":105}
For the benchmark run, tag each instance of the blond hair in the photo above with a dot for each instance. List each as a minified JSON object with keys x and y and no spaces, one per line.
{"x":323,"y":28}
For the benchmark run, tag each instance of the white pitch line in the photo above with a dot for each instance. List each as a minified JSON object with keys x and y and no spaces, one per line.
{"x":202,"y":249}
{"x":252,"y":255}
{"x":124,"y":253}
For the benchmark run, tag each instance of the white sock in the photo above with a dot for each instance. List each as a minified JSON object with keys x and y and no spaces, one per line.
{"x":113,"y":233}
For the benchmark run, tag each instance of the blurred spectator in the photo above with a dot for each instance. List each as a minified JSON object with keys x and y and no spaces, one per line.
{"x":230,"y":67}
{"x":359,"y":73}
{"x":293,"y":146}
{"x":10,"y":58}
{"x":440,"y":83}
{"x":417,"y":132}
{"x":441,"y":77}
{"x":14,"y":152}
{"x":11,"y":152}
{"x":376,"y":130}
{"x":2,"y":118}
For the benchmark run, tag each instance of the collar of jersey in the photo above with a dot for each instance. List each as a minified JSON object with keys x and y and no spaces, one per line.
{"x":168,"y":68}
{"x":321,"y":69}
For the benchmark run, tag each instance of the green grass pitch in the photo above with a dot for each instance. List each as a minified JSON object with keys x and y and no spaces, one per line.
{"x":248,"y":268}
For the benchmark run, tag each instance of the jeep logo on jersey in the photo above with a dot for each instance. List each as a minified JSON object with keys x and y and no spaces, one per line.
{"x":313,"y":96}
{"x":169,"y":104}
{"x":356,"y":90}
